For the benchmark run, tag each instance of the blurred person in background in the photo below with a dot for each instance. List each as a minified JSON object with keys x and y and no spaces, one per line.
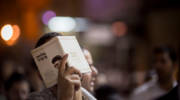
{"x":7,"y":67}
{"x":119,"y":28}
{"x":165,"y":62}
{"x":34,"y":77}
{"x":17,"y":87}
{"x":122,"y":52}
{"x":174,"y":94}
{"x":65,"y":86}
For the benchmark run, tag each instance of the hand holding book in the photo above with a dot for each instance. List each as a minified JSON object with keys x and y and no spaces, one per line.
{"x":49,"y":56}
{"x":69,"y":81}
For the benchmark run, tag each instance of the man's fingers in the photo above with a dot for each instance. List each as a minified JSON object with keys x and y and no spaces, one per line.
{"x":63,"y":64}
{"x":71,"y":70}
{"x":74,"y":80}
{"x":77,"y":85}
{"x":75,"y":77}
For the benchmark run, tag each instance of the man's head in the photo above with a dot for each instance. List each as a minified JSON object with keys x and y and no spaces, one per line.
{"x":46,"y":37}
{"x":119,"y":27}
{"x":165,"y":62}
{"x":17,"y":87}
{"x":88,"y":79}
{"x":56,"y":61}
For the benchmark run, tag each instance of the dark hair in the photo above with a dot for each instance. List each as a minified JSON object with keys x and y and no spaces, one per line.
{"x":46,"y":37}
{"x":165,"y":49}
{"x":57,"y":57}
{"x":15,"y":77}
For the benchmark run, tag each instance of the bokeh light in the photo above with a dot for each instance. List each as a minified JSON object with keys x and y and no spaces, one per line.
{"x":62,"y":24}
{"x":10,"y":34}
{"x":47,"y":16}
{"x":6,"y":32}
{"x":81,"y":24}
{"x":16,"y":32}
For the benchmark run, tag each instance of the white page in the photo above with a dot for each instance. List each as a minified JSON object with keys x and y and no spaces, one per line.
{"x":76,"y":57}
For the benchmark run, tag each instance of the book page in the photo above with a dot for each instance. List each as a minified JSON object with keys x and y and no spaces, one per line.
{"x":48,"y":58}
{"x":76,"y":57}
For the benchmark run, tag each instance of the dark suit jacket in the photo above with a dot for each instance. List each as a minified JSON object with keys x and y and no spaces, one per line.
{"x":172,"y":95}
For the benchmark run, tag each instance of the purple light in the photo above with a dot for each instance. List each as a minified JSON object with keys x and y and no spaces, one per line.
{"x":47,"y":16}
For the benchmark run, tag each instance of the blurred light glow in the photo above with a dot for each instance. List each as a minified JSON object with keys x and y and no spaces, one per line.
{"x":81,"y":24}
{"x":62,"y":24}
{"x":47,"y":16}
{"x":6,"y":32}
{"x":99,"y":35}
{"x":16,"y":32}
{"x":10,"y":34}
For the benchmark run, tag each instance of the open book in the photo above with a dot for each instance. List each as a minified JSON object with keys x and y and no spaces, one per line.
{"x":49,"y":55}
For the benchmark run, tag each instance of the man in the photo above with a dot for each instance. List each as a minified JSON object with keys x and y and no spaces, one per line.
{"x":165,"y":65}
{"x":174,"y":94}
{"x":17,"y":87}
{"x":88,"y":79}
{"x":68,"y":80}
